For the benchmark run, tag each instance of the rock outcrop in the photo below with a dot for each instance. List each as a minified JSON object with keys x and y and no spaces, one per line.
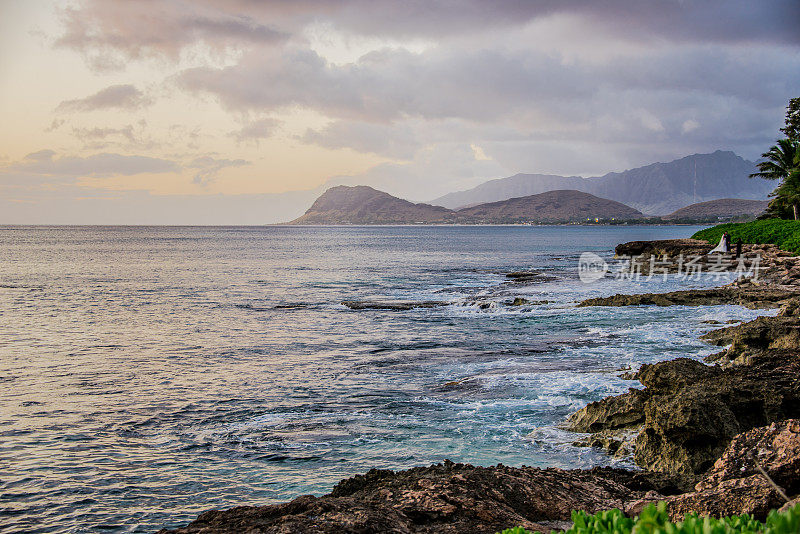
{"x":750,"y":340}
{"x":444,"y":498}
{"x":688,"y":412}
{"x":748,"y":295}
{"x":736,"y":483}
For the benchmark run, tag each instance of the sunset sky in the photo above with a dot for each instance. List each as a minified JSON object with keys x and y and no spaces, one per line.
{"x":243,"y":111}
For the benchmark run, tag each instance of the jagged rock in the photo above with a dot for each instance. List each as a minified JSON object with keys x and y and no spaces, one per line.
{"x":444,"y":498}
{"x":752,"y":495}
{"x":611,"y":413}
{"x":775,"y":448}
{"x":688,"y":427}
{"x":735,"y":485}
{"x":519,"y":301}
{"x":618,"y":443}
{"x":674,"y":374}
{"x":689,"y":412}
{"x":748,"y":340}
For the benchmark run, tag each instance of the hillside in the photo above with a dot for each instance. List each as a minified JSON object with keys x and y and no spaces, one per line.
{"x":722,"y":208}
{"x":365,"y":205}
{"x":552,"y":206}
{"x":657,"y":189}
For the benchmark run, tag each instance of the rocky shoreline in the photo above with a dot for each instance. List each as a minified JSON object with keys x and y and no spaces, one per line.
{"x":702,"y":435}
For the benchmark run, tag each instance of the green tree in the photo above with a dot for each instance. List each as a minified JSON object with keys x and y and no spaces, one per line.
{"x":778,"y":161}
{"x":782,"y":162}
{"x":792,"y":128}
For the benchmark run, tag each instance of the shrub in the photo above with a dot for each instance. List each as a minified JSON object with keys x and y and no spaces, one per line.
{"x":784,"y":234}
{"x":654,"y":520}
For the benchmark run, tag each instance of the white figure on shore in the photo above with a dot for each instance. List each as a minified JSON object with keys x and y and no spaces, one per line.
{"x":724,"y":244}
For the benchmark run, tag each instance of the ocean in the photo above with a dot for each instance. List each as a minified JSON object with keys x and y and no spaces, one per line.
{"x":148,"y":374}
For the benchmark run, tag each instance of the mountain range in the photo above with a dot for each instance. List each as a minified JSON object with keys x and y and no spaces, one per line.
{"x":365,"y":205}
{"x":656,"y":189}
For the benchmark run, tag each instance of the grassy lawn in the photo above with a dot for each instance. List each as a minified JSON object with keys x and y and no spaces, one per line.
{"x":785,"y":234}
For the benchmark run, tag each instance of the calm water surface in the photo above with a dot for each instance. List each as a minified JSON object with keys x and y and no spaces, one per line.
{"x":149,"y":374}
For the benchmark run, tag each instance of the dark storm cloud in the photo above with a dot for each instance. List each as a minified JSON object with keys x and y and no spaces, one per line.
{"x":491,"y":85}
{"x":388,"y":84}
{"x":147,"y":26}
{"x":124,"y":96}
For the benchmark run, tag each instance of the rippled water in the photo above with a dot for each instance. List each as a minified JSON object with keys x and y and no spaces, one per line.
{"x":149,"y":374}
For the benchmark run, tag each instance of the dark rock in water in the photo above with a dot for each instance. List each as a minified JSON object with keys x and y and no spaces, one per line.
{"x":444,"y":498}
{"x":750,"y":297}
{"x":527,"y":277}
{"x":523,"y":275}
{"x":668,"y":247}
{"x":519,"y":301}
{"x":391,"y":305}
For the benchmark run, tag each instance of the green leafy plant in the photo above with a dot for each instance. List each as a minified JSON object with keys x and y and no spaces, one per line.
{"x":654,"y":520}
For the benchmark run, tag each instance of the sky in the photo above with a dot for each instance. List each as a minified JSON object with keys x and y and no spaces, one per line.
{"x":243,"y":111}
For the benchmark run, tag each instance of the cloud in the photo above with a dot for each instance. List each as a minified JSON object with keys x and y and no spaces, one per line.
{"x":44,"y":163}
{"x":689,"y":125}
{"x":123,"y":96}
{"x":109,"y":33}
{"x":560,"y":86}
{"x":255,"y":130}
{"x":434,"y":171}
{"x":209,"y":168}
{"x":166,"y":27}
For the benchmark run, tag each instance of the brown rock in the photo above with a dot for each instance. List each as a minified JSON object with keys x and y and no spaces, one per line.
{"x":776,"y":448}
{"x":751,"y":495}
{"x":448,"y":498}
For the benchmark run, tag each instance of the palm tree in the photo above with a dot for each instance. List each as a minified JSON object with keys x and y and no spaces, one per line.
{"x":779,"y":161}
{"x":788,"y":192}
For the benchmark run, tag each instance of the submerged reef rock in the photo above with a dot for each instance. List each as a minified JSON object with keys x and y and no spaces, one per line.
{"x":391,"y":305}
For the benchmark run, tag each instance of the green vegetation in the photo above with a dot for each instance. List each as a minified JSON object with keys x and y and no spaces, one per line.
{"x":654,"y":520}
{"x":784,"y":234}
{"x":782,"y":162}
